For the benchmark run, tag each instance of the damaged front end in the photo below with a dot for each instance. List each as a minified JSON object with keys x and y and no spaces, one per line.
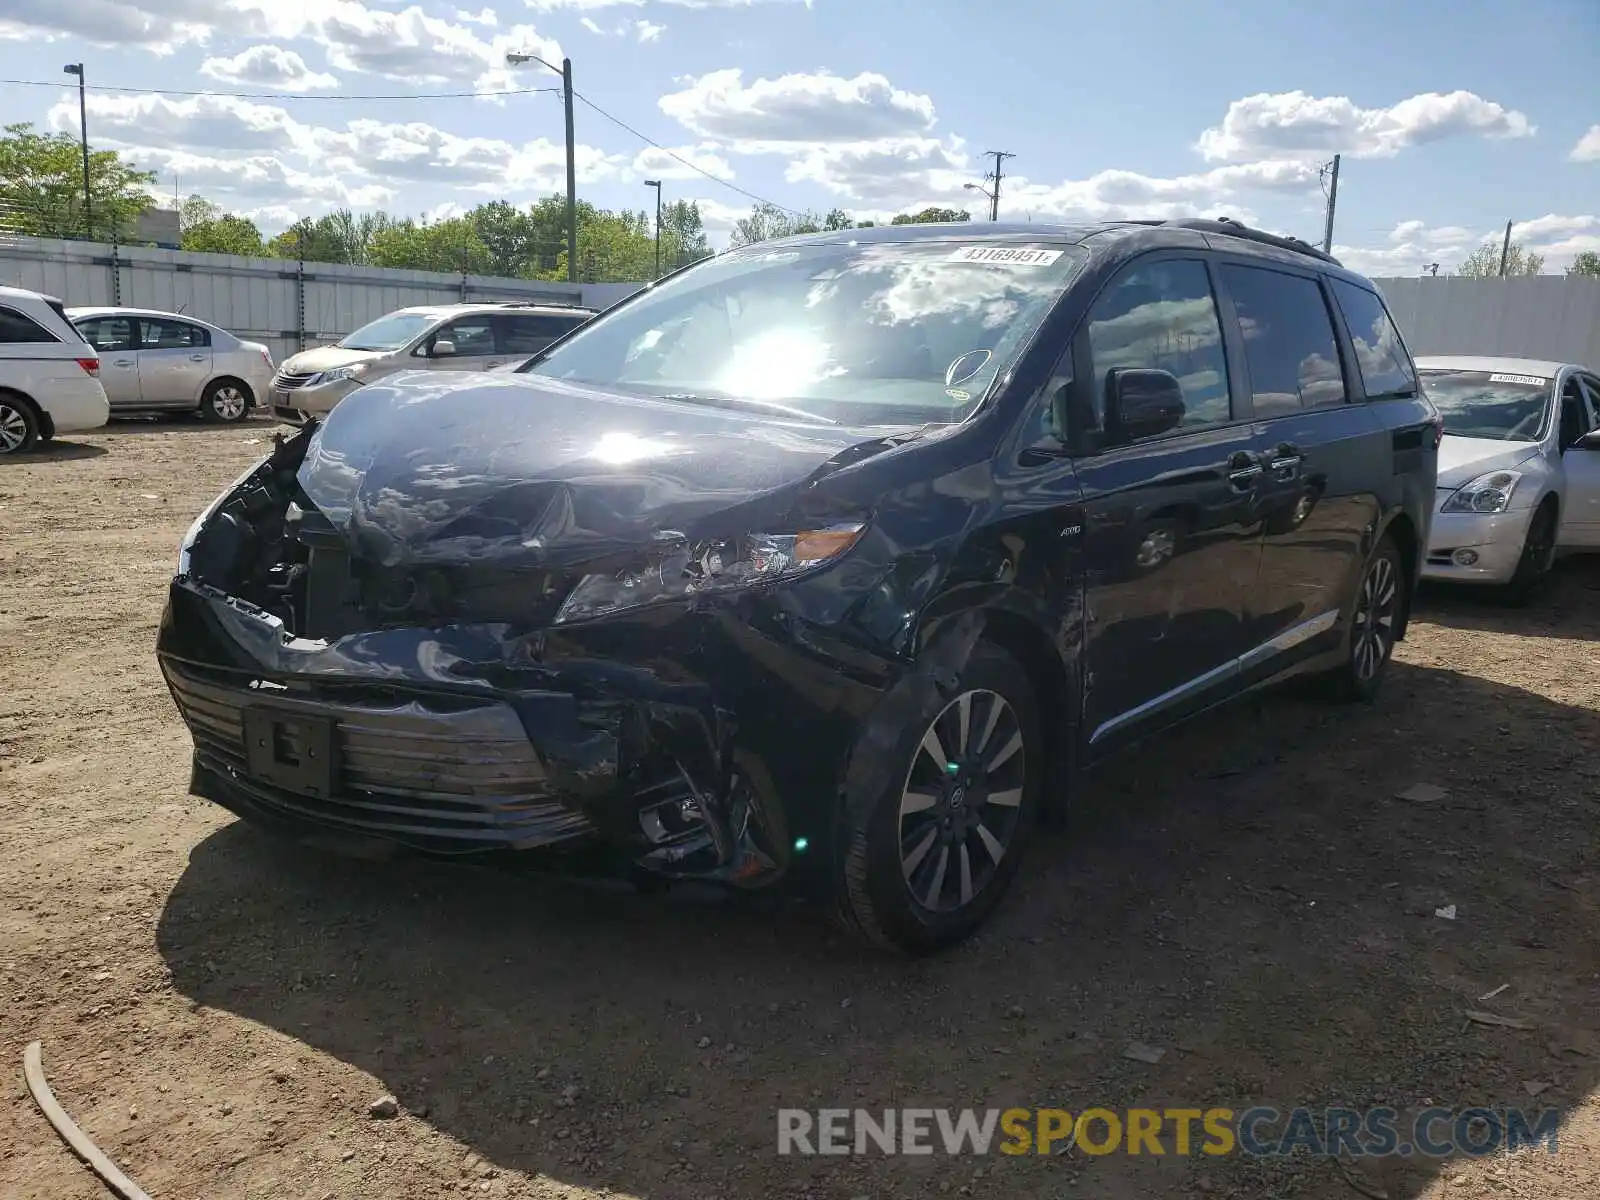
{"x":454,"y":678}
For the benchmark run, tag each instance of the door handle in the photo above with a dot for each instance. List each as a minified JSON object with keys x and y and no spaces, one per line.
{"x":123,"y":362}
{"x":1243,"y":471}
{"x":197,"y":358}
{"x":1285,"y":461}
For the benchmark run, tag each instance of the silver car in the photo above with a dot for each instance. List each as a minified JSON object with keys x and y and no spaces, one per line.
{"x":1519,"y":468}
{"x":152,"y":360}
{"x":435,"y":337}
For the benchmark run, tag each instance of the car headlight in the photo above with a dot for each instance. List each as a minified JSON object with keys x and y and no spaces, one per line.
{"x":335,"y":374}
{"x":681,"y":570}
{"x":185,"y":546}
{"x":1489,"y":493}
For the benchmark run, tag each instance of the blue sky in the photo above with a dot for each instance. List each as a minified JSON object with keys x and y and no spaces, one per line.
{"x":1451,"y":117}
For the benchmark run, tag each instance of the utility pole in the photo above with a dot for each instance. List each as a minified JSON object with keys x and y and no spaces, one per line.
{"x":1333,"y":200}
{"x":999,"y":157}
{"x":1505,"y":250}
{"x":83,"y":135}
{"x":565,"y":71}
{"x":656,"y":183}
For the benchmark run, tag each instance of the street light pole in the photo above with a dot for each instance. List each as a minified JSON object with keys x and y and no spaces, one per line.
{"x":83,"y":135}
{"x":656,"y":183}
{"x":565,"y":71}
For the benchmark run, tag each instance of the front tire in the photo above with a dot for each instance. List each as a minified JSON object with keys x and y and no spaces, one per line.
{"x":19,"y":428}
{"x":929,"y":858}
{"x":1375,"y":616}
{"x":1538,"y":552}
{"x":226,"y":402}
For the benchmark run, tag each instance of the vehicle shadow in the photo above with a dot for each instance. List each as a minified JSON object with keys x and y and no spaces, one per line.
{"x":1254,"y":900}
{"x":1568,"y":604}
{"x":56,"y":450}
{"x":137,"y":423}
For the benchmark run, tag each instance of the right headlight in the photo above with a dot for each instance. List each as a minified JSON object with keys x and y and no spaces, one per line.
{"x":714,"y":566}
{"x":337,"y":374}
{"x":185,"y":546}
{"x":1490,"y":493}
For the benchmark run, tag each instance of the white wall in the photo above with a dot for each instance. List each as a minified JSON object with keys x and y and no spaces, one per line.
{"x":1539,"y":316}
{"x":259,"y":298}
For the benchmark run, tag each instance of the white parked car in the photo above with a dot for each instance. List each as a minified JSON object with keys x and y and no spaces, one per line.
{"x":153,"y":361}
{"x":49,"y":376}
{"x":439,"y":337}
{"x":1519,"y":468}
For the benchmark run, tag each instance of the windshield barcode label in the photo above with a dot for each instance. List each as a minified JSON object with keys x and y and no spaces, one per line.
{"x":1535,"y":380}
{"x":1005,"y":256}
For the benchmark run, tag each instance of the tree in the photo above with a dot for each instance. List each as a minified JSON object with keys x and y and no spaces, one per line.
{"x":1484,"y":262}
{"x":683,"y":235}
{"x":209,"y":230}
{"x":509,"y":235}
{"x":1587,"y":263}
{"x":768,"y":221}
{"x":932,"y":216}
{"x":41,"y":187}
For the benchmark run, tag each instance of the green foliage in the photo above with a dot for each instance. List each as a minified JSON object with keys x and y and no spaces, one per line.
{"x":41,"y":187}
{"x":1484,"y":262}
{"x":932,"y":216}
{"x":209,"y":230}
{"x":1587,"y":263}
{"x":768,"y":221}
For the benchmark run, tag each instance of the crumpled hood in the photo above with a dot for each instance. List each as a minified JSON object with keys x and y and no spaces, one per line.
{"x":527,"y":472}
{"x":1463,"y":459}
{"x":325,"y":358}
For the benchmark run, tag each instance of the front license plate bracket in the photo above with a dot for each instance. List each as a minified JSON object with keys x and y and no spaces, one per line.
{"x":290,"y":750}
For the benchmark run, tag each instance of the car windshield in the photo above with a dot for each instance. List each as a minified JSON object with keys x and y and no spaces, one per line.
{"x":386,"y":333}
{"x":860,"y":333}
{"x":1501,"y":406}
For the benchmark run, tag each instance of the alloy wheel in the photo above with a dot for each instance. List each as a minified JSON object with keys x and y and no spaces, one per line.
{"x":228,"y":403}
{"x":962,"y":800}
{"x":1374,"y":618}
{"x":13,"y":428}
{"x":1540,"y":542}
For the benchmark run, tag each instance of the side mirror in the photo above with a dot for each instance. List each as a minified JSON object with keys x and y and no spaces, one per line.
{"x":1143,"y":402}
{"x":1589,"y":441}
{"x":442,"y":348}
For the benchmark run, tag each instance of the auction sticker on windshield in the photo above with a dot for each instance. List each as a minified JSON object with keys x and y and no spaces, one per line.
{"x":1535,"y":380}
{"x":1005,"y":256}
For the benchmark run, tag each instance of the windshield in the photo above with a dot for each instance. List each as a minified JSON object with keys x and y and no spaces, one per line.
{"x":1480,"y":404}
{"x":884,"y":333}
{"x":386,"y":333}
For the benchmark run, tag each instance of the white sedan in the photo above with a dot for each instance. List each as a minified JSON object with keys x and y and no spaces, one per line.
{"x":1519,"y":468}
{"x":152,"y":360}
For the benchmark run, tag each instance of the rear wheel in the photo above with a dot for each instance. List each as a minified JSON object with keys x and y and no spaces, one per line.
{"x":929,"y":859}
{"x":1374,"y":620}
{"x":226,"y":401}
{"x":1538,"y":551}
{"x":19,"y":428}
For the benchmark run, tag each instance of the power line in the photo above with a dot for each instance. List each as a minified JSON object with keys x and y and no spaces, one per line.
{"x":618,"y":121}
{"x":142,"y":91}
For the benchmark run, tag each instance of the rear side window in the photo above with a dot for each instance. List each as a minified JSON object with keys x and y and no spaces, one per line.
{"x":531,"y":333}
{"x":157,"y":334}
{"x":18,"y":327}
{"x":1163,"y":315}
{"x":109,"y":334}
{"x":1386,"y":370}
{"x":1288,"y":340}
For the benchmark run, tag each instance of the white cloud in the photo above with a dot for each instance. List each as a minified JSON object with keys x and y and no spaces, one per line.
{"x":589,"y":24}
{"x":1588,"y":147}
{"x":1412,"y":246}
{"x":195,"y":122}
{"x":268,"y":66}
{"x":486,"y":18}
{"x":157,"y":25}
{"x":261,"y":179}
{"x":593,"y":5}
{"x":719,"y":218}
{"x":649,"y":31}
{"x":654,"y":163}
{"x":1275,"y":125}
{"x":798,"y":108}
{"x":271,"y":219}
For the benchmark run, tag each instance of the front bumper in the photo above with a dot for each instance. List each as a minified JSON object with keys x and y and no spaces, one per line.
{"x":686,"y":744}
{"x":1494,"y":538}
{"x":296,"y":404}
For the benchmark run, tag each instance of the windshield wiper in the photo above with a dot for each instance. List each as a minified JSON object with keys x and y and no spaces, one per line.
{"x":771,"y":406}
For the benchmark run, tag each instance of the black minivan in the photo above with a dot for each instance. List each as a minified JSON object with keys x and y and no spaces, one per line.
{"x":825,"y":562}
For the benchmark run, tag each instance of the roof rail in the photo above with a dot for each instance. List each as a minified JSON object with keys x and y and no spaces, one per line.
{"x":540,"y":304}
{"x":1228,"y":227}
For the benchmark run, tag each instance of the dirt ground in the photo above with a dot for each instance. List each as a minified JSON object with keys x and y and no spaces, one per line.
{"x":218,"y":1011}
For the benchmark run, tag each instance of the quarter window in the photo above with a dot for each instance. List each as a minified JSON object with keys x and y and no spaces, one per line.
{"x":1163,"y":315}
{"x":1385,"y":367}
{"x":1288,"y":340}
{"x":155,"y":334}
{"x":18,"y":327}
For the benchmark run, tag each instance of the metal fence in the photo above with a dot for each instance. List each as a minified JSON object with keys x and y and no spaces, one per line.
{"x":1538,"y":316}
{"x":284,"y":303}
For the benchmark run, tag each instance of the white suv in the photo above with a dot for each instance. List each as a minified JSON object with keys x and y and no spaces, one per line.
{"x":436,"y":337}
{"x":49,"y":376}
